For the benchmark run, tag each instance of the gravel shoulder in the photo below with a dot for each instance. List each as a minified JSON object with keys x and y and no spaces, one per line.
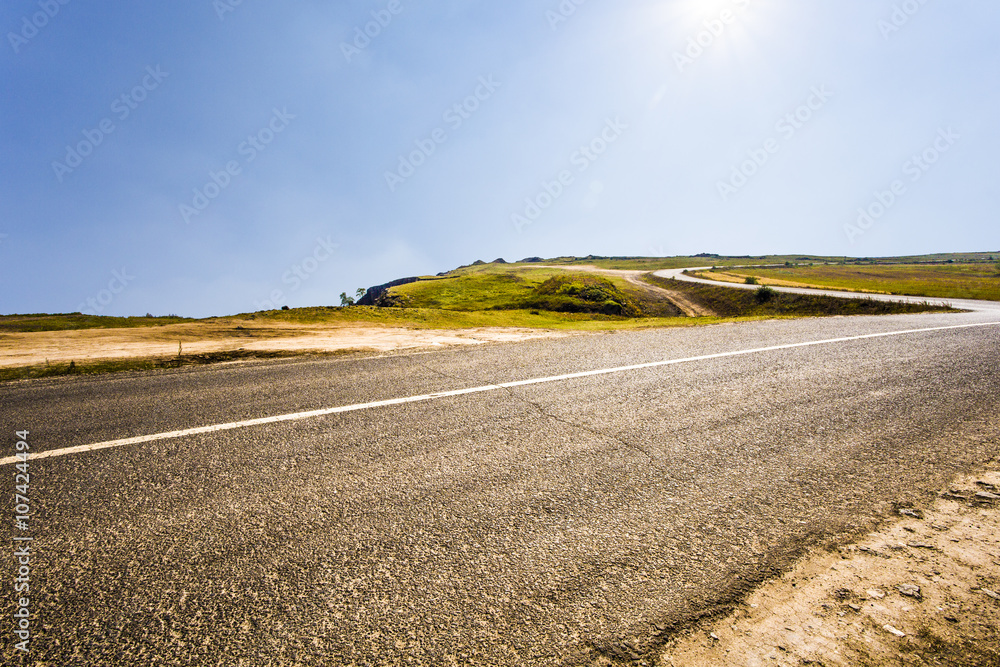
{"x":922,"y":591}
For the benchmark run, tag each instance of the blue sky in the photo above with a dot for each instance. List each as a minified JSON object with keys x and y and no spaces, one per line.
{"x":206,"y":157}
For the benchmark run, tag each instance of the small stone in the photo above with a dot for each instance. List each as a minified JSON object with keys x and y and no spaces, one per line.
{"x":842,"y":593}
{"x":875,"y":594}
{"x":888,"y":628}
{"x":989,"y":593}
{"x":910,"y":590}
{"x":986,"y":495}
{"x":920,"y":545}
{"x":910,"y":513}
{"x":854,"y":607}
{"x":713,"y":636}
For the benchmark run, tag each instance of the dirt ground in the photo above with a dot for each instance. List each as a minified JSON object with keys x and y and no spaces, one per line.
{"x":923,"y":591}
{"x":88,"y":345}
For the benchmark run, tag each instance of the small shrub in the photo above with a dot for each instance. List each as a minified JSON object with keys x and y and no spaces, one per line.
{"x":751,"y":280}
{"x":764,"y":294}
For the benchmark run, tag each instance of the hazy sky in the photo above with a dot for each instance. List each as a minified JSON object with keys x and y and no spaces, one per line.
{"x":204,"y":157}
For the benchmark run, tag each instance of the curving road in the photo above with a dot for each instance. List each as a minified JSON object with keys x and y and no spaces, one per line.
{"x":964,"y":304}
{"x":549,"y":502}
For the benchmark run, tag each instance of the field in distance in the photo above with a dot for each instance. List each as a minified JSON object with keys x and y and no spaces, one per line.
{"x":946,"y":280}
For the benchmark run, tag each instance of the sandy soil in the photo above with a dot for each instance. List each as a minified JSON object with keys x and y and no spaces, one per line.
{"x":923,"y":591}
{"x":29,"y":349}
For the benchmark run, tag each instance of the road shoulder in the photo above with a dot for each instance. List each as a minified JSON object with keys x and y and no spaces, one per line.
{"x":924,"y":590}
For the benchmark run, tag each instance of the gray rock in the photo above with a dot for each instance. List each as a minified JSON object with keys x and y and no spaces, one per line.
{"x":910,"y":590}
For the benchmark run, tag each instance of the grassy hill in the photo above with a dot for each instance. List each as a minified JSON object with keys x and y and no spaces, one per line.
{"x":512,"y":287}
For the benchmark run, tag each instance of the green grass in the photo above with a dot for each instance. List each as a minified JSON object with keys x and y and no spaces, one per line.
{"x":439,"y":318}
{"x":513,"y":295}
{"x":728,"y":302}
{"x":146,"y":364}
{"x":502,"y":287}
{"x":945,"y":281}
{"x":70,"y":321}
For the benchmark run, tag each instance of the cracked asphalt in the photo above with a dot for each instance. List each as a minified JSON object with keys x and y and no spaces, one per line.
{"x":560,"y":523}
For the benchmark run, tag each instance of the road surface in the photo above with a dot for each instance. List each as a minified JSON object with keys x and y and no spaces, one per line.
{"x":536,"y":503}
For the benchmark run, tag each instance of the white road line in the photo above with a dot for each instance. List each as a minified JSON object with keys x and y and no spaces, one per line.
{"x":296,"y":416}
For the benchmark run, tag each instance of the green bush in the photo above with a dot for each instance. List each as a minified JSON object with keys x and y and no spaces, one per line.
{"x":764,"y":294}
{"x":581,"y":294}
{"x":750,"y":280}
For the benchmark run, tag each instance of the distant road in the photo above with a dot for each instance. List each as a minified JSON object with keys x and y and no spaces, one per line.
{"x":546,"y":502}
{"x":965,"y":304}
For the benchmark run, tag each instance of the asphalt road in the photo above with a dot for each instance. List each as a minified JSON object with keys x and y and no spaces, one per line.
{"x":550,"y":523}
